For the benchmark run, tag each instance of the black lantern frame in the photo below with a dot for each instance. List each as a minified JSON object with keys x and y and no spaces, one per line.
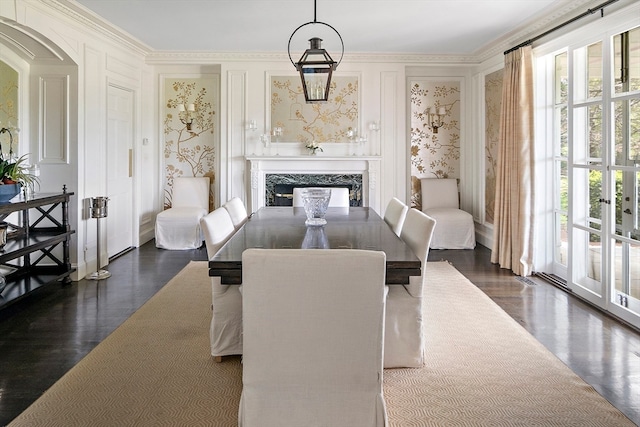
{"x":315,"y":65}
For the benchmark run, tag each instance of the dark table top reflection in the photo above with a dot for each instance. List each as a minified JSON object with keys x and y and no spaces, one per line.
{"x":346,"y":228}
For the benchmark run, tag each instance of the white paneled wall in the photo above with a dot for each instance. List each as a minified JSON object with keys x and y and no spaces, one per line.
{"x":91,"y":58}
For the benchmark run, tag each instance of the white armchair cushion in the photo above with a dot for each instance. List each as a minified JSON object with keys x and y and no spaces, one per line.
{"x":191,"y":191}
{"x":439,"y":193}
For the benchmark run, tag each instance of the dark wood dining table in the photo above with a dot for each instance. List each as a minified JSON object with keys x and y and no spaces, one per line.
{"x":346,"y":228}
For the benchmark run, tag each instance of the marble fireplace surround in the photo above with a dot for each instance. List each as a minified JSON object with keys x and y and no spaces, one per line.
{"x":262,"y":166}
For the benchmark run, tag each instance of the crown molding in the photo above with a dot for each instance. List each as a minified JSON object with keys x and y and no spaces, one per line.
{"x":535,"y":25}
{"x":88,"y":19}
{"x":180,"y":57}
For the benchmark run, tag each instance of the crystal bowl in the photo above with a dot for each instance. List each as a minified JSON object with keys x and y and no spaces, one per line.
{"x":315,"y":201}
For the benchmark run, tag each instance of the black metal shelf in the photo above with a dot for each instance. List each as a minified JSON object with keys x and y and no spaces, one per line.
{"x":31,"y":258}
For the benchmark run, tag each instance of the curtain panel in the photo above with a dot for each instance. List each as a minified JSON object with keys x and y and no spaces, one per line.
{"x":513,"y":225}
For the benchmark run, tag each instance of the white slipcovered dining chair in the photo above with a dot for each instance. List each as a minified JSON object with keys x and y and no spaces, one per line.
{"x":339,"y":197}
{"x":313,"y":336}
{"x":237,"y":212}
{"x":440,"y":200}
{"x":395,"y":214}
{"x":226,"y":321}
{"x":179,"y":226}
{"x":404,"y":334}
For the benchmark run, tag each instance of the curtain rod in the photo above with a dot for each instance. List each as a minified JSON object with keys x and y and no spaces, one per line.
{"x":557,"y":27}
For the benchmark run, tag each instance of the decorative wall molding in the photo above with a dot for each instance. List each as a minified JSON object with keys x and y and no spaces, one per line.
{"x":54,"y":119}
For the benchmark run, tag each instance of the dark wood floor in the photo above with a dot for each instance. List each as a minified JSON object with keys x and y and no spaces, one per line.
{"x":43,"y":337}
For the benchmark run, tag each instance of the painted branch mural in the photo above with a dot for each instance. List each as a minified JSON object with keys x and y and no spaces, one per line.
{"x":493,"y":103}
{"x":435,"y":133}
{"x":306,"y":123}
{"x":189,"y":126}
{"x":9,"y":107}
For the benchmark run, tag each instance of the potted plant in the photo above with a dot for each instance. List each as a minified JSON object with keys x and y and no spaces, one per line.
{"x":14,"y":173}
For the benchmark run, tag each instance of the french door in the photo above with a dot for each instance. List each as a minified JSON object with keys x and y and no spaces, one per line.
{"x":597,"y":171}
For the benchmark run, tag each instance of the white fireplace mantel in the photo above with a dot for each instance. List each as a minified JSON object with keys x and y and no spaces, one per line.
{"x":368,"y":166}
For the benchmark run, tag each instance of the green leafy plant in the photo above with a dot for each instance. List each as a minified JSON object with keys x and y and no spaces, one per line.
{"x":16,"y":171}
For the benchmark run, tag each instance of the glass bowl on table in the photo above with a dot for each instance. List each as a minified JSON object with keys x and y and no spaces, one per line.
{"x":315,"y":201}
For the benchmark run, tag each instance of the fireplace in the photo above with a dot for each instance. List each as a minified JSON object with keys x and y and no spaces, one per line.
{"x":359,"y":174}
{"x":279,"y":187}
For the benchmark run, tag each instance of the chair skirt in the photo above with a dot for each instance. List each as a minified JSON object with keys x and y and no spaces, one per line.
{"x":455,"y":229}
{"x":403,"y":333}
{"x":179,"y":228}
{"x":226,"y":322}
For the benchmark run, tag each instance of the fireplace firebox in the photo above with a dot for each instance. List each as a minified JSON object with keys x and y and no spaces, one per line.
{"x":279,"y":187}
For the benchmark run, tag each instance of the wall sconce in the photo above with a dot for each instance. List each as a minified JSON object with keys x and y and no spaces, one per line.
{"x":315,"y":65}
{"x":436,"y":119}
{"x":252,"y":125}
{"x":186,"y":115}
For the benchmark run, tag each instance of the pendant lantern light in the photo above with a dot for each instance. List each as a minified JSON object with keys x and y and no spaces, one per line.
{"x":315,"y":65}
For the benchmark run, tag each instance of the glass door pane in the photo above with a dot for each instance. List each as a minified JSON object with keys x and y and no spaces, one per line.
{"x":626,"y":272}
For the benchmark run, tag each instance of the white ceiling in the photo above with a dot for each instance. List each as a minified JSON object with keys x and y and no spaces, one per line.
{"x":431,"y":27}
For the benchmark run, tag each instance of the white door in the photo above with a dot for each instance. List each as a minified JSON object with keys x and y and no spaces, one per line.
{"x":119,"y":221}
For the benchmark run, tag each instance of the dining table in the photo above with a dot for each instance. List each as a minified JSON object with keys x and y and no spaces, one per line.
{"x":282,"y":227}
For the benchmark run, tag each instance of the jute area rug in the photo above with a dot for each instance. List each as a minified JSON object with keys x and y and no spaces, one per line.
{"x":483,"y":369}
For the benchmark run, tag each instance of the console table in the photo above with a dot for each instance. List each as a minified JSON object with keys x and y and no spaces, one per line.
{"x":37,"y":249}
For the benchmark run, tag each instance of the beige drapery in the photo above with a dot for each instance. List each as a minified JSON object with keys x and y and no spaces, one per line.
{"x":513,"y":223}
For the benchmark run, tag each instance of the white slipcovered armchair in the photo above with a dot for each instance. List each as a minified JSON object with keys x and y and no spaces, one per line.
{"x":440,"y":200}
{"x":403,"y":333}
{"x":313,"y":334}
{"x":226,"y":320}
{"x":179,"y":226}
